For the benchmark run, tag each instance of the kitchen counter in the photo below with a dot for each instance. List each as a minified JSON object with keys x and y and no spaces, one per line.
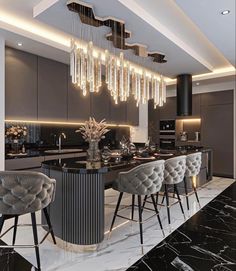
{"x":80,"y":165}
{"x":38,"y":153}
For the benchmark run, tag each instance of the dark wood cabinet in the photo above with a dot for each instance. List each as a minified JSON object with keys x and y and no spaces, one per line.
{"x":118,"y":112}
{"x":21,"y":85}
{"x":132,"y":112}
{"x":52,"y":90}
{"x":168,"y":110}
{"x":153,"y":122}
{"x":78,"y":105}
{"x":217,"y":130}
{"x":196,"y":105}
{"x":100,"y":104}
{"x":38,"y":88}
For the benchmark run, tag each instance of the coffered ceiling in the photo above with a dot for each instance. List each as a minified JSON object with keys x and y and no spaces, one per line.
{"x":193,"y":35}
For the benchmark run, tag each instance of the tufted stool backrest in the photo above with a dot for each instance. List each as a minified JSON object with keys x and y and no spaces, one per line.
{"x":175,"y":170}
{"x":24,"y":192}
{"x":193,"y":162}
{"x":145,"y":179}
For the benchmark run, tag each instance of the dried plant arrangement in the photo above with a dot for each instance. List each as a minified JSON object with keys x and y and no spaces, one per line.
{"x":93,"y":130}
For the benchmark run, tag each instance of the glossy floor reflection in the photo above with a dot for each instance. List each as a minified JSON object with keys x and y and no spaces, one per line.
{"x":207,"y":241}
{"x":122,"y":249}
{"x":12,"y":261}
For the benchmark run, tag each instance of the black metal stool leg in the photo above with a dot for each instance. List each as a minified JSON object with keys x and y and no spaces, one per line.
{"x":186,"y":192}
{"x":177,"y":193}
{"x":2,"y":219}
{"x":15,"y":229}
{"x":140,"y":219}
{"x":144,"y":202}
{"x":36,"y":242}
{"x":167,"y":203}
{"x":157,"y":213}
{"x":157,"y":196}
{"x":164,"y":195}
{"x":116,"y":210}
{"x":195,"y":191}
{"x":133,"y":202}
{"x":45,"y":211}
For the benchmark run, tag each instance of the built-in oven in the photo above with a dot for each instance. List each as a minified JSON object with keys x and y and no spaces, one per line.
{"x":167,"y":134}
{"x":167,"y":127}
{"x":167,"y":143}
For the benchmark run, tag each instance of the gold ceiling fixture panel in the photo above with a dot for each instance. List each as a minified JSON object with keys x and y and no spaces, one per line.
{"x":118,"y":32}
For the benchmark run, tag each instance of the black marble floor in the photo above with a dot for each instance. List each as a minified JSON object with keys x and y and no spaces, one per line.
{"x":12,"y":261}
{"x":207,"y":241}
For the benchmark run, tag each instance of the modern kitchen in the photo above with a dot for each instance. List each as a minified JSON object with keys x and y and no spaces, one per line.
{"x":117,"y":135}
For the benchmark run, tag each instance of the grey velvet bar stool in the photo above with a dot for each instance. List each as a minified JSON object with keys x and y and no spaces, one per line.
{"x":174,"y":173}
{"x":145,"y":179}
{"x":193,"y":167}
{"x":23,"y":192}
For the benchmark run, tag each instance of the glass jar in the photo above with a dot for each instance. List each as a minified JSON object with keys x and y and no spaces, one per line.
{"x":106,"y":154}
{"x":93,"y":152}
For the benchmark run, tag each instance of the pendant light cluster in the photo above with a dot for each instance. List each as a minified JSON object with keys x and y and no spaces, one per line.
{"x":122,"y":77}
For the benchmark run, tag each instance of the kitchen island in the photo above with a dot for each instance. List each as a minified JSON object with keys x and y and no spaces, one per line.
{"x":77,"y":214}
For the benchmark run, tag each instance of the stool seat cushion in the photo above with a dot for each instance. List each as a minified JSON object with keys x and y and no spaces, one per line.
{"x":145,"y":179}
{"x":25,"y":192}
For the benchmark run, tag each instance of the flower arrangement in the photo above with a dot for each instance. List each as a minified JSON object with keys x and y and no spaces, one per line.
{"x":16,"y":132}
{"x":93,"y":130}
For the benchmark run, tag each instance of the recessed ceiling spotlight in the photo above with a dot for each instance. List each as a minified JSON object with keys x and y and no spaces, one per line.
{"x":225,"y":12}
{"x":19,"y":44}
{"x":197,"y":84}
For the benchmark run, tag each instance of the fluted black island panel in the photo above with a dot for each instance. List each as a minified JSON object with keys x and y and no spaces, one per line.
{"x":77,"y":214}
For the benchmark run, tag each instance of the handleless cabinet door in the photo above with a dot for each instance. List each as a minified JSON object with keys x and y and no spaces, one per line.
{"x":168,"y":110}
{"x":217,"y":134}
{"x":52,"y":90}
{"x":118,"y":112}
{"x":100,"y":104}
{"x":21,"y":85}
{"x":153,"y":122}
{"x":78,"y":105}
{"x":132,"y":112}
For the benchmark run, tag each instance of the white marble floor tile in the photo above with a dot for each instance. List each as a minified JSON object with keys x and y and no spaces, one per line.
{"x":123,"y":248}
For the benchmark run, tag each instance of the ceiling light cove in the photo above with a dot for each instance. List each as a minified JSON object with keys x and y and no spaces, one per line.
{"x":225,"y":12}
{"x":19,"y":44}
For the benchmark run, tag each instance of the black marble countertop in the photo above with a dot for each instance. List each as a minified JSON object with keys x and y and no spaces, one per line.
{"x":207,"y":241}
{"x":38,"y":153}
{"x":80,"y":165}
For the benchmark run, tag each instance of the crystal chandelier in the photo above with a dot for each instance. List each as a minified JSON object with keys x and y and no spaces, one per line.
{"x":123,"y":78}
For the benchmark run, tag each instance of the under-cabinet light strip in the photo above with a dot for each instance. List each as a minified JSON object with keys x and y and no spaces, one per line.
{"x":191,"y":120}
{"x":62,"y":123}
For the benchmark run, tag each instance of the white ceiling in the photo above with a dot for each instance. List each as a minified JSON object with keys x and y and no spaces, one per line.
{"x":180,"y":30}
{"x":220,"y":30}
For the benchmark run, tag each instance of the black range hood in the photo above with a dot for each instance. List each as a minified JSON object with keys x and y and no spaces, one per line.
{"x":184,"y":95}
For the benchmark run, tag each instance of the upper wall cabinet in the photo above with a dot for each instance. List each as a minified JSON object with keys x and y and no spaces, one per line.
{"x":21,"y":85}
{"x":52,"y":90}
{"x":118,"y":112}
{"x":168,"y":110}
{"x":132,"y":112}
{"x":78,"y":105}
{"x":100,"y":104}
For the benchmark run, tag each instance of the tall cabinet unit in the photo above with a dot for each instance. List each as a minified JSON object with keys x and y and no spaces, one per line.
{"x":217,"y":129}
{"x":21,"y":85}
